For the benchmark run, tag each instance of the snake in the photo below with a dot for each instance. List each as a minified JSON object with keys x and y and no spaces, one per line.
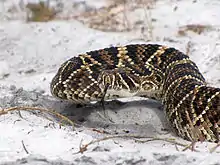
{"x":153,"y":71}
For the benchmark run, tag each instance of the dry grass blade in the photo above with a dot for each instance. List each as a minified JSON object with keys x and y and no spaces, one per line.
{"x":196,"y":134}
{"x":24,"y":108}
{"x":115,"y":16}
{"x":196,"y":28}
{"x":188,"y":48}
{"x":84,"y":147}
{"x":169,"y":140}
{"x":149,"y":25}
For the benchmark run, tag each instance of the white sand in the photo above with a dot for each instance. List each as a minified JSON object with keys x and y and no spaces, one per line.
{"x":31,"y":53}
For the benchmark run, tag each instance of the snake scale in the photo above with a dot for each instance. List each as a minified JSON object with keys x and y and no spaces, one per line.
{"x":146,"y":70}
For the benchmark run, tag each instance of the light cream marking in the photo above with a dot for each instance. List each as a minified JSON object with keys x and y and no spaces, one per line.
{"x":130,"y":60}
{"x":178,"y":126}
{"x":86,"y":64}
{"x":123,"y":82}
{"x":137,"y":85}
{"x":180,"y":79}
{"x":117,"y":86}
{"x":82,"y":93}
{"x":136,"y":74}
{"x":208,"y":137}
{"x":103,"y":80}
{"x":93,"y":94}
{"x":184,"y":98}
{"x":89,"y":70}
{"x":87,"y":97}
{"x":187,"y":129}
{"x":147,"y":82}
{"x":180,"y":103}
{"x":196,"y":90}
{"x":122,"y":51}
{"x":69,"y":97}
{"x":60,"y":79}
{"x":183,"y":61}
{"x":113,"y":80}
{"x":206,"y":108}
{"x":82,"y":57}
{"x":154,"y":71}
{"x":60,"y":93}
{"x":159,"y":52}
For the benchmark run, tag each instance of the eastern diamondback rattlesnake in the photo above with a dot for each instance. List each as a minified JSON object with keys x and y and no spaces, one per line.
{"x":152,"y":71}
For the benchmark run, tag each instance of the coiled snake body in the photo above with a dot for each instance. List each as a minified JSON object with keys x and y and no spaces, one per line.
{"x":146,"y":70}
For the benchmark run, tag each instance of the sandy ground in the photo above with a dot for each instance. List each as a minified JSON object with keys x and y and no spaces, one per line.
{"x":31,"y":53}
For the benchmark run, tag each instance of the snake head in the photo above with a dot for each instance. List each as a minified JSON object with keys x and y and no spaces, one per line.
{"x":107,"y":79}
{"x":119,"y":83}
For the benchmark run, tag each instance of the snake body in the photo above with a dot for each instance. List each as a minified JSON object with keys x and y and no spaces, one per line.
{"x":146,"y":70}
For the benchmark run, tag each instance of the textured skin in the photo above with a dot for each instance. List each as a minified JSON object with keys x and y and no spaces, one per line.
{"x":152,"y":71}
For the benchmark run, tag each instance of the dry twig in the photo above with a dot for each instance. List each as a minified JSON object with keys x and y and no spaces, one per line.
{"x":196,"y":28}
{"x":196,"y":134}
{"x":26,"y":108}
{"x":25,"y":149}
{"x":83,"y":148}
